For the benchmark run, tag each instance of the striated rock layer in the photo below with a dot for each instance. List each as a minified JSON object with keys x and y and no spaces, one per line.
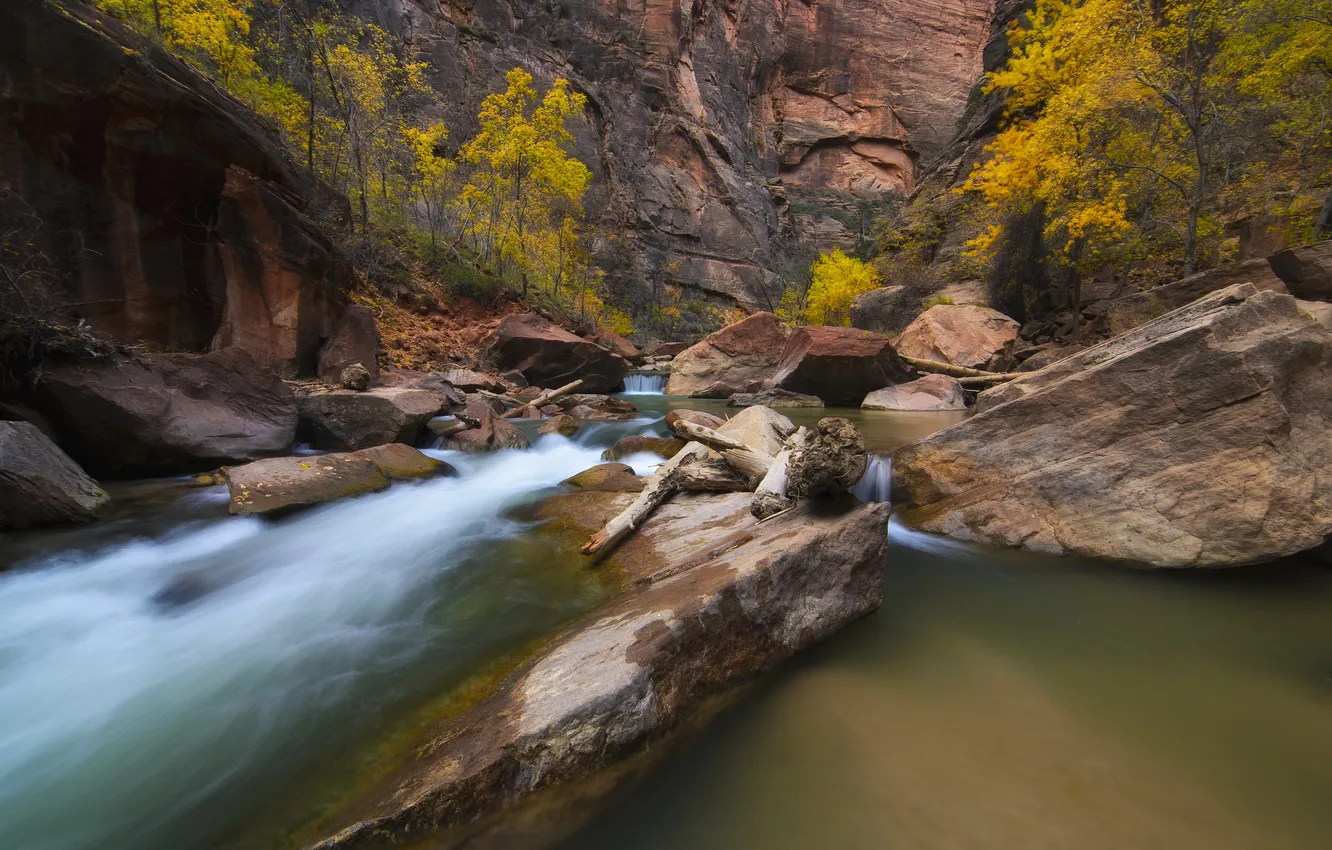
{"x":715,"y":598}
{"x":1201,"y":439}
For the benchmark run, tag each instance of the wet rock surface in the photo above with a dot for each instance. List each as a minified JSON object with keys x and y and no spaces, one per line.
{"x":606,"y":477}
{"x":664,"y":447}
{"x":40,"y":484}
{"x":1196,"y":440}
{"x":167,"y":413}
{"x":712,"y":599}
{"x":774,"y":398}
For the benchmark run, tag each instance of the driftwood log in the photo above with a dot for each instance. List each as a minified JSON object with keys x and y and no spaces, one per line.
{"x":543,"y":399}
{"x":828,"y":459}
{"x":965,"y":373}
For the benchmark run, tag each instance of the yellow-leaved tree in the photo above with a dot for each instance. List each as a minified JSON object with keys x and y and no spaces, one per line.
{"x":524,"y":196}
{"x":836,"y":280}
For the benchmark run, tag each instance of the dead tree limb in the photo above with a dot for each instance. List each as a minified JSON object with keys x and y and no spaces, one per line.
{"x":950,"y":369}
{"x":660,"y":486}
{"x":746,"y":460}
{"x":771,"y":497}
{"x":831,"y":459}
{"x":996,"y":378}
{"x":711,"y":475}
{"x":543,"y":399}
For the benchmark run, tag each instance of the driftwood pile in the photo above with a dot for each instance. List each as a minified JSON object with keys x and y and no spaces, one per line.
{"x":828,"y":459}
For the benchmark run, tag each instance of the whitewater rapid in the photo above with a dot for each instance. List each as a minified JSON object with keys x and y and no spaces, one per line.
{"x":123,"y":720}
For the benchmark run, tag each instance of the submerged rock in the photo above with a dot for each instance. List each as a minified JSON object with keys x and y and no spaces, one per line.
{"x":774,"y":398}
{"x":589,"y":407}
{"x":168,"y":413}
{"x":968,"y":335}
{"x":839,"y":365}
{"x":714,"y":598}
{"x":931,"y":392}
{"x":739,"y":358}
{"x":606,"y":477}
{"x":664,"y":447}
{"x":562,"y":424}
{"x":40,"y":484}
{"x":548,"y":356}
{"x":1198,"y":440}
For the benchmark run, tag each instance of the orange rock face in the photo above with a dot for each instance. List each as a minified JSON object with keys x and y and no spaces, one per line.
{"x":962,"y":334}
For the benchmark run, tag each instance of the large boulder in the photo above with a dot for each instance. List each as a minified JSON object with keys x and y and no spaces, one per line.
{"x":548,"y":356}
{"x":1306,"y":270}
{"x":355,"y":340}
{"x":712,"y":599}
{"x":491,"y":432}
{"x":343,"y":420}
{"x":931,"y":392}
{"x":617,"y":345}
{"x":1198,"y":440}
{"x":759,"y":428}
{"x":839,"y":365}
{"x":168,"y":413}
{"x":739,"y":358}
{"x":1129,"y":311}
{"x":40,"y":484}
{"x":886,"y":309}
{"x":968,"y":335}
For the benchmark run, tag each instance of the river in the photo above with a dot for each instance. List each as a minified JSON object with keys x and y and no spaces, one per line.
{"x":998,"y":700}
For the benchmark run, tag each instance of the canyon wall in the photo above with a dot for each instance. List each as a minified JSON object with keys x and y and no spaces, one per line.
{"x":728,"y":139}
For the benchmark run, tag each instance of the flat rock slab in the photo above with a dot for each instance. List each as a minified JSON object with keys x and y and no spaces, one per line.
{"x":1201,"y":439}
{"x":713,"y":598}
{"x":281,"y":484}
{"x":931,"y":392}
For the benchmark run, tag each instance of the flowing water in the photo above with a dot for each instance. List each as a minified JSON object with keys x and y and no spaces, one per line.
{"x":640,"y":384}
{"x":999,"y":700}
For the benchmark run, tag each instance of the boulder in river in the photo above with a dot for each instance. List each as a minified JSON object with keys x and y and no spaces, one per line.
{"x":401,"y":462}
{"x":970,"y":335}
{"x":281,"y":484}
{"x":839,"y":365}
{"x":774,"y":397}
{"x":491,"y":432}
{"x":40,"y":484}
{"x":739,"y":358}
{"x":1200,"y":439}
{"x":550,"y":357}
{"x":663,"y":447}
{"x":562,"y":424}
{"x":760,"y":428}
{"x":167,"y":413}
{"x":606,"y":477}
{"x":344,"y":420}
{"x":929,"y":392}
{"x":355,"y":340}
{"x":713,"y":598}
{"x":589,"y":407}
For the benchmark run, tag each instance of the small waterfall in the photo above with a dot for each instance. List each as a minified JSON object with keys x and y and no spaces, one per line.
{"x":877,"y":485}
{"x":644,"y":384}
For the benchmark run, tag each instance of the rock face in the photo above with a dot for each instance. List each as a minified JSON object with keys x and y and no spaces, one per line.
{"x":1128,"y":312}
{"x":930,"y":392}
{"x":1306,"y":271}
{"x":548,"y":356}
{"x":739,"y":358}
{"x":774,"y":398}
{"x":176,"y":217}
{"x":714,"y":598}
{"x":355,"y":340}
{"x":839,"y":365}
{"x":961,"y":334}
{"x":39,"y":484}
{"x":882,"y":310}
{"x":344,"y":420}
{"x":1196,"y":440}
{"x":168,"y":413}
{"x":617,"y":345}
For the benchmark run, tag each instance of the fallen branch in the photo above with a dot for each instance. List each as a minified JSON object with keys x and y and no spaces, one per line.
{"x":710,"y":475}
{"x":951,"y":370}
{"x":771,"y":497}
{"x":661,"y":485}
{"x":744,"y":459}
{"x":543,"y":399}
{"x":831,"y":460}
{"x":996,"y":378}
